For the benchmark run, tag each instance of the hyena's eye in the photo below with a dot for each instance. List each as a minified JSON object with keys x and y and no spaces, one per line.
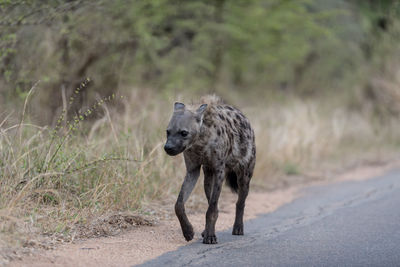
{"x":184,"y":133}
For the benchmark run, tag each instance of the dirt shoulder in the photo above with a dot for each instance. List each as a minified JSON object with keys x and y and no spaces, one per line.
{"x":146,"y":242}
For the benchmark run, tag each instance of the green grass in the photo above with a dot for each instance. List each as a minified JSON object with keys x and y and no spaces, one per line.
{"x":291,"y":168}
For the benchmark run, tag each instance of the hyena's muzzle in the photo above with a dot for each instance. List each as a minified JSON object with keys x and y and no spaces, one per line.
{"x":173,"y":148}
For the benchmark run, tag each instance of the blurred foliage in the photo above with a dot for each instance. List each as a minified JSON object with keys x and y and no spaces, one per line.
{"x":296,"y":46}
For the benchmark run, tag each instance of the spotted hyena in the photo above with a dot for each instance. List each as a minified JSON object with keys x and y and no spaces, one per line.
{"x":219,"y":138}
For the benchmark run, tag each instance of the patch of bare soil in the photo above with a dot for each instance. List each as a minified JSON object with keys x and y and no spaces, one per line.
{"x":111,"y":225}
{"x":359,"y":171}
{"x":125,"y":240}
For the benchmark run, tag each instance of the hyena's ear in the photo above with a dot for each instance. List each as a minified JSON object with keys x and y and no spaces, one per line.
{"x":179,"y":106}
{"x":200,"y":111}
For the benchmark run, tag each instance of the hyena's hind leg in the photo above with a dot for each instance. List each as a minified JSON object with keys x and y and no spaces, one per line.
{"x":208,"y":182}
{"x":243,"y":191}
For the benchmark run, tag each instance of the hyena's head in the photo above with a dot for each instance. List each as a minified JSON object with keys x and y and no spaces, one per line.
{"x":183,"y":128}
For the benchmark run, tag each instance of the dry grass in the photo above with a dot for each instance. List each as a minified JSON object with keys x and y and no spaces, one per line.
{"x":299,"y":138}
{"x":50,"y":183}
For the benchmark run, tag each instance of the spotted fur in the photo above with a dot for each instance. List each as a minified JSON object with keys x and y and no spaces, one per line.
{"x":218,"y":138}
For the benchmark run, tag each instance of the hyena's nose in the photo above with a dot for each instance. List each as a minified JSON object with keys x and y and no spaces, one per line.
{"x":168,"y":148}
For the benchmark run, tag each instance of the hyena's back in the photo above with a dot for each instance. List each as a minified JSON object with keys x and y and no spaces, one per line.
{"x":230,"y":130}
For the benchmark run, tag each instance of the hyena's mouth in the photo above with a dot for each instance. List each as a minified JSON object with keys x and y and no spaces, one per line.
{"x":172,"y":151}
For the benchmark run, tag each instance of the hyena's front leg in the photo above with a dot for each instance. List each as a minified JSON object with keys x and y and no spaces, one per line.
{"x":212,"y":211}
{"x":208,"y":185}
{"x":187,"y":187}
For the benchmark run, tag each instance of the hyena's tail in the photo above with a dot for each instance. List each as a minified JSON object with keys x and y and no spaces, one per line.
{"x":231,"y":180}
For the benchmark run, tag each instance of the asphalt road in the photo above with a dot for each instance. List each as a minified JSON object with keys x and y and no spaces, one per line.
{"x":346,"y":224}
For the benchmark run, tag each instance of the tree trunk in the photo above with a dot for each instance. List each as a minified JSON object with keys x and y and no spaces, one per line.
{"x":217,"y":51}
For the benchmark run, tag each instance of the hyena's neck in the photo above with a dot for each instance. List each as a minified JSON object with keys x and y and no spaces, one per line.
{"x":199,"y":144}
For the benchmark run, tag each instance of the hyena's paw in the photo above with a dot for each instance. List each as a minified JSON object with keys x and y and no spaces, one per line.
{"x":188,"y":233}
{"x":203,"y":233}
{"x":237,"y":230}
{"x":210,"y":239}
